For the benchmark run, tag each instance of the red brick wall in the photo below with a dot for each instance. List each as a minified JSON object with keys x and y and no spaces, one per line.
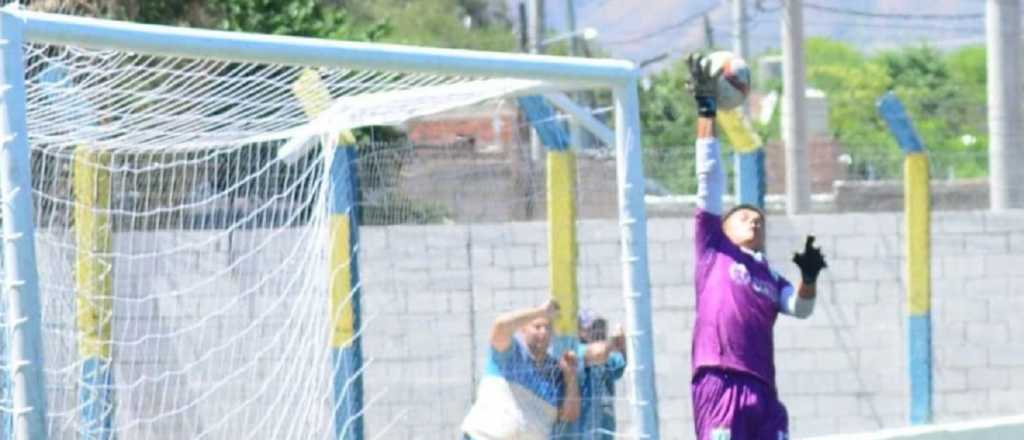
{"x":453,"y":129}
{"x":824,"y":165}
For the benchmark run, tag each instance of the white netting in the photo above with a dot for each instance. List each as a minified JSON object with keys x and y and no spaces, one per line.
{"x":220,"y":241}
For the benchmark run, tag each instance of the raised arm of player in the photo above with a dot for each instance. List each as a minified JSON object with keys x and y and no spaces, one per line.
{"x":708,"y":234}
{"x":710,"y":175}
{"x":505,"y":325}
{"x":569,"y":410}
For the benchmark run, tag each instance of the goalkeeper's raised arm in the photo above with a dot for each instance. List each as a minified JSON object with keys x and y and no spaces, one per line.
{"x":710,"y":176}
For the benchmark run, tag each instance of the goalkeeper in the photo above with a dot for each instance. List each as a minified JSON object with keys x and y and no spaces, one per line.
{"x":524,"y":391}
{"x":739,"y":296}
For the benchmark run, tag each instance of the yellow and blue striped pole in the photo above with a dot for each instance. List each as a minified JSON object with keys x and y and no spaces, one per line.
{"x":917,"y":211}
{"x":918,"y":230}
{"x":345,"y":296}
{"x":749,"y":159}
{"x":345,"y":292}
{"x":94,"y":291}
{"x":562,"y":246}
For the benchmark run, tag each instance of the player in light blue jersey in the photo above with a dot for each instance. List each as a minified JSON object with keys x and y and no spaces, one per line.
{"x":524,"y":391}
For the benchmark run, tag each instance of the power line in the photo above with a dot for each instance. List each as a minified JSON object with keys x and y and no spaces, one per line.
{"x":904,"y":27}
{"x":664,"y":29}
{"x":863,"y":13}
{"x":886,"y":26}
{"x":762,"y":8}
{"x":759,"y":5}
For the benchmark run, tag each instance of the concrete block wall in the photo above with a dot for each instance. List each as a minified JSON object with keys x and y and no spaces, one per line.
{"x":431,"y":293}
{"x":843,"y":370}
{"x":209,"y":330}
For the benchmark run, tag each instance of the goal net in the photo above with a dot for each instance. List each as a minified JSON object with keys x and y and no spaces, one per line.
{"x":240,"y":236}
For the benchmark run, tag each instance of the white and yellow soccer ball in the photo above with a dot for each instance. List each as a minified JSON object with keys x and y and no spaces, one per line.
{"x":734,"y":83}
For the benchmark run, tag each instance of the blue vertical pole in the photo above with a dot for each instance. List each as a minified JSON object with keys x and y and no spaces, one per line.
{"x":96,"y":398}
{"x":750,"y":183}
{"x":345,"y":295}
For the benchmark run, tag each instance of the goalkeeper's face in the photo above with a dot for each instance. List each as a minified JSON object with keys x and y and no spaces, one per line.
{"x":745,"y":228}
{"x":537,"y":335}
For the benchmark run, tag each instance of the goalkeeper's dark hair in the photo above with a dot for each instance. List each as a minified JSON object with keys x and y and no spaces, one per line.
{"x":743,"y":207}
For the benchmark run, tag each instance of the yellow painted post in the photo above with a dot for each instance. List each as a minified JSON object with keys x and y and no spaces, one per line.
{"x":94,"y":289}
{"x":917,"y":206}
{"x":562,"y":246}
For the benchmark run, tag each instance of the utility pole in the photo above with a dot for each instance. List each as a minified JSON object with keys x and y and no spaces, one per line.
{"x":1005,"y":151}
{"x":574,"y":41}
{"x":740,"y":43}
{"x":535,"y":37}
{"x":750,"y":184}
{"x":794,"y":113}
{"x":709,"y":34}
{"x":524,"y":32}
{"x":535,"y":25}
{"x":576,"y":136}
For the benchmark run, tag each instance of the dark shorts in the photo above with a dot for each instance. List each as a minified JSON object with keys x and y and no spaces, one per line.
{"x":736,"y":406}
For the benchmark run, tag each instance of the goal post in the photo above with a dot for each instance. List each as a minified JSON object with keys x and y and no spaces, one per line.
{"x":635,"y":275}
{"x":214,"y":122}
{"x":21,"y":280}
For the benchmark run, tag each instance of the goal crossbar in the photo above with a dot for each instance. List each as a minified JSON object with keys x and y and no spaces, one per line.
{"x":244,"y":47}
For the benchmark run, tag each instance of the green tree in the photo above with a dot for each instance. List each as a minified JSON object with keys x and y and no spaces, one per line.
{"x":944,"y":94}
{"x":824,"y":51}
{"x":669,"y":117}
{"x":944,"y":109}
{"x":967,"y":67}
{"x":309,"y":18}
{"x":852,"y":84}
{"x":170,"y":12}
{"x":458,"y":24}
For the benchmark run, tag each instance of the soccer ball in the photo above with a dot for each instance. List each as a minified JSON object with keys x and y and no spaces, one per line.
{"x":734,"y":84}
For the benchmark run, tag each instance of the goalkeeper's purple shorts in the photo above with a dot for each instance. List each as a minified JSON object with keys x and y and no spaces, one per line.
{"x":736,"y":406}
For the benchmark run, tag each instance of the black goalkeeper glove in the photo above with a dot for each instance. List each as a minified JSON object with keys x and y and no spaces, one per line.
{"x":703,"y":84}
{"x":811,"y":261}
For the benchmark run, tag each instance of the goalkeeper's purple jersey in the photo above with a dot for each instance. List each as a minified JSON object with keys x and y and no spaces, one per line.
{"x":737,"y":303}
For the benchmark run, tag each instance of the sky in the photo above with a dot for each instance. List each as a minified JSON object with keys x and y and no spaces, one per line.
{"x":642,"y":29}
